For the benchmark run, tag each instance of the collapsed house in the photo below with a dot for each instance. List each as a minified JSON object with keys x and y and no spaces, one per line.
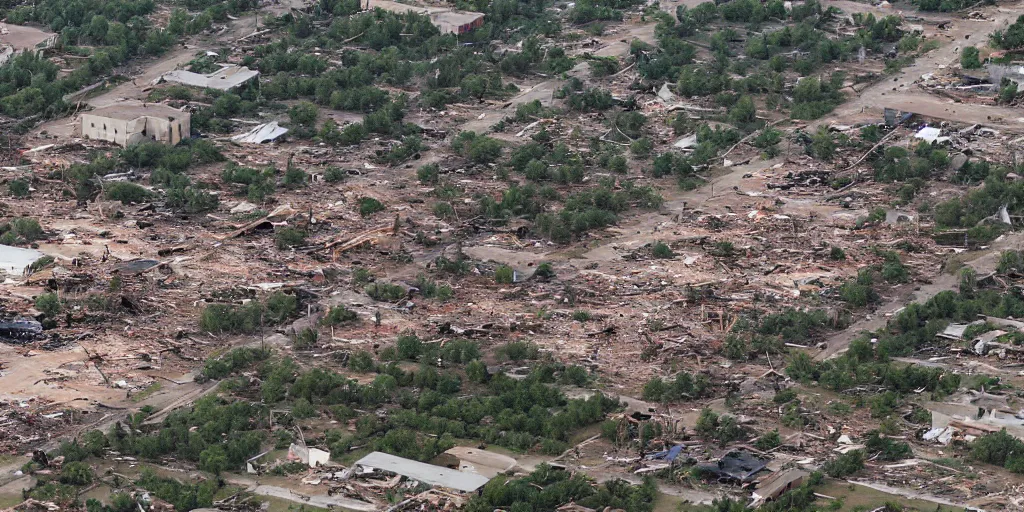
{"x":777,"y":484}
{"x":738,"y":466}
{"x":312,"y":457}
{"x":127,"y":124}
{"x":973,"y":415}
{"x":428,"y":474}
{"x":446,"y":19}
{"x":224,"y":79}
{"x":18,"y":39}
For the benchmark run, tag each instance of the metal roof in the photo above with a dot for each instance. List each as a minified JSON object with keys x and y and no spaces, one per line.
{"x":426,"y":473}
{"x":224,"y":79}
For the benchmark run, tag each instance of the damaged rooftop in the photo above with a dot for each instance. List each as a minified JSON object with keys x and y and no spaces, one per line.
{"x":577,"y":256}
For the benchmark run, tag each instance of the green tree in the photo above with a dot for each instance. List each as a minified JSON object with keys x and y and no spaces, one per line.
{"x":19,"y":188}
{"x":213,"y":459}
{"x":969,"y":58}
{"x":304,"y":114}
{"x":822,"y":145}
{"x":49,"y":304}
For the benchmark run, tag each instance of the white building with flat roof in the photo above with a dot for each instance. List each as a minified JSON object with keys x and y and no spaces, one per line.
{"x":131,"y":123}
{"x":446,"y":19}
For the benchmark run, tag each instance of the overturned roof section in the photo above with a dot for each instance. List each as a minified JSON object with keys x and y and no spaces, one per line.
{"x":263,"y":133}
{"x":483,"y":462}
{"x":224,"y":79}
{"x":426,"y":473}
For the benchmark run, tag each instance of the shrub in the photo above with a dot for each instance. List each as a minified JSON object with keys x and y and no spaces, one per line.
{"x":785,"y":396}
{"x":304,"y":114}
{"x":409,"y":346}
{"x":281,"y":306}
{"x":886,"y":448}
{"x":768,"y":440}
{"x":303,"y":409}
{"x":1000,"y":449}
{"x":76,"y":473}
{"x":385,"y":292}
{"x":478,"y":149}
{"x":845,"y":464}
{"x":127,"y":193}
{"x":504,"y":275}
{"x":247,"y":318}
{"x":306,"y":339}
{"x":339,"y":315}
{"x":641,"y":148}
{"x":518,"y":351}
{"x":476,"y":372}
{"x":822,"y":146}
{"x":837,"y":254}
{"x":191,"y":200}
{"x":428,"y":174}
{"x":723,"y":249}
{"x":295,"y":177}
{"x":19,"y":188}
{"x":369,"y":206}
{"x":49,"y":304}
{"x":361,"y":361}
{"x":20,"y":230}
{"x":444,"y":210}
{"x":662,"y":251}
{"x":257,"y":184}
{"x":288,"y":237}
{"x":969,"y":58}
{"x":334,"y":175}
{"x":544,"y":271}
{"x":581,"y":315}
{"x":654,"y":389}
{"x":575,"y":375}
{"x":235,"y":360}
{"x":431,"y":290}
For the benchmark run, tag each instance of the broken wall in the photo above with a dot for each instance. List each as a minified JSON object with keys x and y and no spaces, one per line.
{"x":105,"y":128}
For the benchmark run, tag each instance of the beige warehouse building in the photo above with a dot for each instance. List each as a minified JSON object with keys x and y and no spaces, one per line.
{"x":446,"y":19}
{"x":127,"y":124}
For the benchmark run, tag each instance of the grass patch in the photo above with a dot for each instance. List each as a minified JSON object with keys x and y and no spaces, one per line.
{"x":148,"y":392}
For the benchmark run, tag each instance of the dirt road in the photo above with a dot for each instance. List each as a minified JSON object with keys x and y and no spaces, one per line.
{"x":902,"y":93}
{"x":982,"y":262}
